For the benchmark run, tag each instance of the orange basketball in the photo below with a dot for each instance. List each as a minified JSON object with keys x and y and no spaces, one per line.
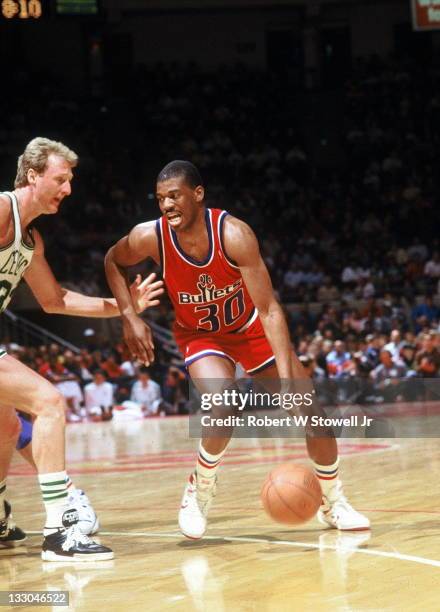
{"x":291,"y":494}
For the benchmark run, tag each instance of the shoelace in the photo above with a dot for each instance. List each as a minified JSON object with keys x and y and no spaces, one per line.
{"x":9,"y":525}
{"x":75,"y":536}
{"x":205,"y":494}
{"x":202,"y":495}
{"x":83,"y":497}
{"x":343,"y":502}
{"x":79,"y":497}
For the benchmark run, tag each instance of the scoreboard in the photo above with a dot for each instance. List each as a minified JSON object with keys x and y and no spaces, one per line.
{"x":34,"y":9}
{"x":23,"y":9}
{"x":76,"y":7}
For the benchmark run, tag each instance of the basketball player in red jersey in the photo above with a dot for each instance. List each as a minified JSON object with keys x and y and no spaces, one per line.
{"x":226,"y":313}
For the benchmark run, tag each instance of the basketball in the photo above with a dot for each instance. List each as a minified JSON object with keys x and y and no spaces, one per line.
{"x":291,"y":494}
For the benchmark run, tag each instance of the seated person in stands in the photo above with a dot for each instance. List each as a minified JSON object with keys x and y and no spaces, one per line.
{"x":390,"y":378}
{"x":99,"y":396}
{"x":146,"y":393}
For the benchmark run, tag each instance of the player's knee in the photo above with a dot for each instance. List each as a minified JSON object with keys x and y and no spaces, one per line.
{"x":51,"y":404}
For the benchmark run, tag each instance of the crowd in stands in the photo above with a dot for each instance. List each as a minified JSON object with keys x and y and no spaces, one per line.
{"x":358,"y":226}
{"x":347,"y":365}
{"x":357,"y":235}
{"x":100,"y":385}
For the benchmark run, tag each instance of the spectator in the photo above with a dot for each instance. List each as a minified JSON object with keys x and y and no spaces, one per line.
{"x":428,"y":358}
{"x":99,"y":396}
{"x":388,"y":377}
{"x":372,"y":351}
{"x":394,"y":345}
{"x":407,"y":355}
{"x":112,"y":369}
{"x":146,"y":393}
{"x":339,"y":361}
{"x":312,"y":369}
{"x":424,"y":314}
{"x":174,"y":391}
{"x":328,"y":292}
{"x":432,"y":267}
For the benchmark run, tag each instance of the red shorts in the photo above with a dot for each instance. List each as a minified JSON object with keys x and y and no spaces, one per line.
{"x":249,"y":348}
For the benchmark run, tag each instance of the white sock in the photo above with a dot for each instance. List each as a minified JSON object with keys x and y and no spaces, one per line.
{"x":2,"y":498}
{"x":54,"y":491}
{"x":328,"y":476}
{"x":70,"y":486}
{"x":207,"y":464}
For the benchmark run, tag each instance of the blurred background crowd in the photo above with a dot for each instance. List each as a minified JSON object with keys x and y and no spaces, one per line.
{"x":352,"y":247}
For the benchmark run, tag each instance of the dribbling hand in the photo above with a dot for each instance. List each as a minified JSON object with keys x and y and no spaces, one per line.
{"x":139,"y":339}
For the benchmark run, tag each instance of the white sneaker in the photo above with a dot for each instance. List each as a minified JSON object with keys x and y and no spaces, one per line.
{"x":337,"y":513}
{"x":88,"y":521}
{"x":196,"y":501}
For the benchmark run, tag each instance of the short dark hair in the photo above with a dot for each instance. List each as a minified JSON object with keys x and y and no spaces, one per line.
{"x":181,"y":168}
{"x":144,"y":370}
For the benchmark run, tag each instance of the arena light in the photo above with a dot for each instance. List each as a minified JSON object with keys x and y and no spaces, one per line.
{"x":425,"y":14}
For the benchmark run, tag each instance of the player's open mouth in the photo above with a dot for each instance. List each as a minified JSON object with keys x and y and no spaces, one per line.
{"x":174,"y":218}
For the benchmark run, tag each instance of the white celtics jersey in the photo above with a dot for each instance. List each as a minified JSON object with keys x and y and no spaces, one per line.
{"x":14,"y":257}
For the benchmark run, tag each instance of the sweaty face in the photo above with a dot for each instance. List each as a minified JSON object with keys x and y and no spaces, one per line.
{"x":179,"y":202}
{"x":53,"y":185}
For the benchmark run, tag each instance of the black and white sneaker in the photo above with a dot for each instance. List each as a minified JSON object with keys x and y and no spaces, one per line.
{"x":88,"y":521}
{"x":11,"y":536}
{"x":67,"y":543}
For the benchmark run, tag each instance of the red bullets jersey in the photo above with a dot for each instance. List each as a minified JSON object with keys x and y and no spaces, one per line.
{"x":207,"y":295}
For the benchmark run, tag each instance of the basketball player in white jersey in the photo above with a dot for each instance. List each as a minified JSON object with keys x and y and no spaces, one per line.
{"x":43,"y":180}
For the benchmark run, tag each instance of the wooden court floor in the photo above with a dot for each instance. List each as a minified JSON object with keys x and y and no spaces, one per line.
{"x":134,"y":473}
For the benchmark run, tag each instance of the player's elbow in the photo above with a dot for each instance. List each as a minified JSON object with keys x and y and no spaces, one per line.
{"x":56,"y":306}
{"x":109,"y":259}
{"x":50,"y":308}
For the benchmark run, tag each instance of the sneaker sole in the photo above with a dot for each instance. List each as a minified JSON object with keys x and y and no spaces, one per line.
{"x":49,"y":555}
{"x":330,"y":526}
{"x":353,"y":528}
{"x":12,"y":544}
{"x":191,"y":537}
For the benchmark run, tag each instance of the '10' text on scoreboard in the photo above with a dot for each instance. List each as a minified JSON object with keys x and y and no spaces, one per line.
{"x":23,"y":9}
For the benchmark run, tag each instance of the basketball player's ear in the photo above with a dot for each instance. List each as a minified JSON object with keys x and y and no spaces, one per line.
{"x":31,"y":176}
{"x":200,"y":193}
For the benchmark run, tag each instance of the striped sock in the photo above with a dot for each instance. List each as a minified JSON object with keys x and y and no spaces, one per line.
{"x":70,"y":486}
{"x":327,"y":476}
{"x":207,"y":464}
{"x":54,"y":491}
{"x":2,"y":498}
